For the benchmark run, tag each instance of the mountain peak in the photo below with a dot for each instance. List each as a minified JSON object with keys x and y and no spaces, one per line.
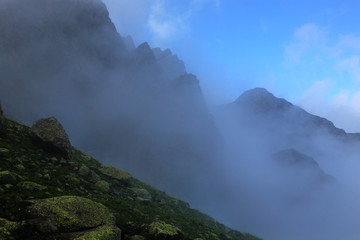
{"x":261,"y":100}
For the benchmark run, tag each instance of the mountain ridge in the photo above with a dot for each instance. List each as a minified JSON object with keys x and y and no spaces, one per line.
{"x":261,"y":101}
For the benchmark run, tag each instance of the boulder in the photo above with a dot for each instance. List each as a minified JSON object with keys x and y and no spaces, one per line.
{"x":163,"y":230}
{"x":52,"y":133}
{"x":72,"y":214}
{"x":28,"y":186}
{"x":104,"y":232}
{"x":143,"y":193}
{"x":103,"y":185}
{"x":115,"y":173}
{"x":84,"y":170}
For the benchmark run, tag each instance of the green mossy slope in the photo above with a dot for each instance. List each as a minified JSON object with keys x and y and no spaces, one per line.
{"x":44,"y":196}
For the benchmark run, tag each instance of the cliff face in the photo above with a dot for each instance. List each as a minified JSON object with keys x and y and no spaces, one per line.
{"x":131,"y":106}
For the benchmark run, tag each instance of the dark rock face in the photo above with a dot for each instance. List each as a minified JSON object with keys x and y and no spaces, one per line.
{"x":171,"y":66}
{"x":302,"y":165}
{"x":51,"y":132}
{"x":2,"y":119}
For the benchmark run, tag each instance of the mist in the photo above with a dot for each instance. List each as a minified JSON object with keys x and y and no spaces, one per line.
{"x":311,"y":192}
{"x":136,"y":107}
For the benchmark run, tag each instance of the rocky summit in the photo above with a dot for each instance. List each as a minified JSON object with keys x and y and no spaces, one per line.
{"x":51,"y":132}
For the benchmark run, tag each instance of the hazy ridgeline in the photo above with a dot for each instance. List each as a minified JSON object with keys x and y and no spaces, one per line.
{"x":137,"y":108}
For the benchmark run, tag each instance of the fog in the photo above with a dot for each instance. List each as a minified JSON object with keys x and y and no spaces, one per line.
{"x":137,"y":108}
{"x":295,"y":200}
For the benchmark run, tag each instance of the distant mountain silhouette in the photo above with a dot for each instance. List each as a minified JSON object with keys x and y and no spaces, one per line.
{"x":261,"y":104}
{"x":302,"y":165}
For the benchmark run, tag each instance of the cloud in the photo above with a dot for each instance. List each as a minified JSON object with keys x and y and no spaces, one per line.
{"x":350,"y":65}
{"x":304,"y":39}
{"x":335,"y":60}
{"x":157,"y":21}
{"x":349,"y":42}
{"x":343,"y":108}
{"x":166,"y":22}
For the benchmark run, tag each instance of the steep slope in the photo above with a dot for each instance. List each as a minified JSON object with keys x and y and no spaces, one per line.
{"x":119,"y":102}
{"x":44,"y":196}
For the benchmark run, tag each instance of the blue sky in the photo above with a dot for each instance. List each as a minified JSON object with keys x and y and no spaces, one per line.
{"x":305,"y":51}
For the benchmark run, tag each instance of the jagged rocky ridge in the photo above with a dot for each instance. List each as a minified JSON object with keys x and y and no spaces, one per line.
{"x":131,"y":106}
{"x":137,"y":108}
{"x":45,"y":196}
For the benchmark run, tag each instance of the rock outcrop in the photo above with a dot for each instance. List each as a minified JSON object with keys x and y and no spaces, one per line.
{"x":52,"y":133}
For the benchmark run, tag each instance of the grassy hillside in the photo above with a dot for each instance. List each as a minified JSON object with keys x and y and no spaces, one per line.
{"x":44,"y":196}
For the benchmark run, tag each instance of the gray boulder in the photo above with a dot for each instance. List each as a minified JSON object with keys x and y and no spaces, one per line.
{"x":52,"y":133}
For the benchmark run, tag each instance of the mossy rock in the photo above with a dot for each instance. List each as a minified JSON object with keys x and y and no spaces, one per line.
{"x":29,"y":186}
{"x":73,"y":179}
{"x":8,"y":186}
{"x":103,"y":185}
{"x":4,"y":150}
{"x":163,"y":230}
{"x":71,"y":213}
{"x":104,"y":232}
{"x":115,"y":173}
{"x":9,"y":177}
{"x":7,"y":228}
{"x":142,"y":193}
{"x":52,"y":133}
{"x":20,"y":167}
{"x":84,"y":170}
